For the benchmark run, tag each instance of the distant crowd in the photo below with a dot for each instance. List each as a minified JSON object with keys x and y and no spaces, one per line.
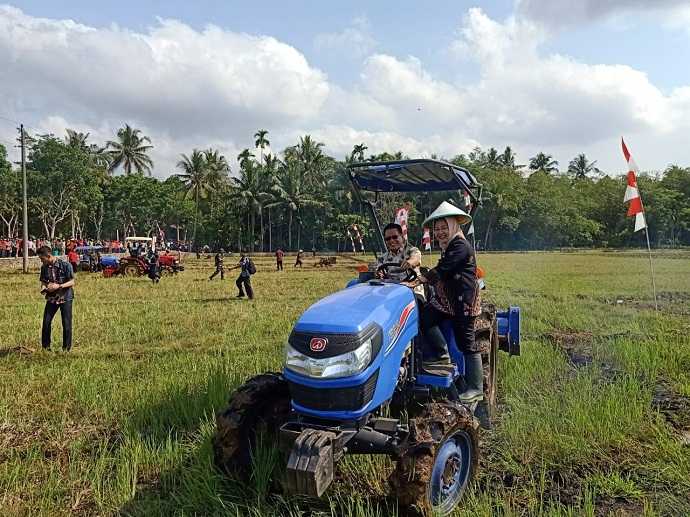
{"x":13,"y":248}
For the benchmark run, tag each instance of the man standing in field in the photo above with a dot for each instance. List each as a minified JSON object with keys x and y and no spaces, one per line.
{"x":57,"y":282}
{"x":219,"y":265}
{"x":298,"y":261}
{"x":244,"y":281}
{"x":279,"y":259}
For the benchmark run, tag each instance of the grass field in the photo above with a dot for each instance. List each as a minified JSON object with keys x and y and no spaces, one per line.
{"x":594,"y":419}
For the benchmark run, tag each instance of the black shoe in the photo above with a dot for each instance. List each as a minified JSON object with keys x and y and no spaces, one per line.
{"x":239,"y":296}
{"x":46,"y":348}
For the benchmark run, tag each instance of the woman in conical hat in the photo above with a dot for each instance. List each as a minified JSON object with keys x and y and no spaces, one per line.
{"x":455,"y":277}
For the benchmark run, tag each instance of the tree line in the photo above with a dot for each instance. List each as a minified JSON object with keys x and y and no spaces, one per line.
{"x":302,"y":198}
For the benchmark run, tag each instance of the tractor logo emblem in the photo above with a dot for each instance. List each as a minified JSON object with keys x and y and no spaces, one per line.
{"x":318,"y":344}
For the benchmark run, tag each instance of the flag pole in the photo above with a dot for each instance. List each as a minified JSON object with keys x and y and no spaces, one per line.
{"x":651,"y":267}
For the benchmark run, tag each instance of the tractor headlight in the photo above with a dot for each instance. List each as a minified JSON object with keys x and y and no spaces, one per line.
{"x":343,"y":365}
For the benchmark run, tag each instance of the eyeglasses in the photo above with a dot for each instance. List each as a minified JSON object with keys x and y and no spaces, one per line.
{"x":391,"y":238}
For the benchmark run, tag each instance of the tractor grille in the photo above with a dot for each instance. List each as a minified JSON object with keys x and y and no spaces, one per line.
{"x":334,"y":399}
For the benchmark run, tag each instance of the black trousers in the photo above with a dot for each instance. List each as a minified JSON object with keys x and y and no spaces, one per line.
{"x":244,"y":283}
{"x":219,"y":269}
{"x":279,"y":265}
{"x":66,"y":316}
{"x":463,"y":327}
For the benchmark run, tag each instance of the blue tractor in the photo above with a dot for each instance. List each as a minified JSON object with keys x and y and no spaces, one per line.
{"x":353,"y":383}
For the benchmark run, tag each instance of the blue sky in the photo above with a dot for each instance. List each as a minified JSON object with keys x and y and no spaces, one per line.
{"x":423,"y":79}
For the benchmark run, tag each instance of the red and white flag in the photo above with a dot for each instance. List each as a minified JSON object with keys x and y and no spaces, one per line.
{"x":401,"y":215}
{"x":426,"y":239}
{"x":632,"y":194}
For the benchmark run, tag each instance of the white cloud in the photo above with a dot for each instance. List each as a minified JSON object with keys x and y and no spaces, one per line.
{"x":569,"y":12}
{"x":186,"y":88}
{"x":355,"y":41}
{"x":171,"y":78}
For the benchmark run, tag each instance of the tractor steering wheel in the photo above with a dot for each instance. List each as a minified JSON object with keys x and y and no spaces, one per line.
{"x":410,"y":274}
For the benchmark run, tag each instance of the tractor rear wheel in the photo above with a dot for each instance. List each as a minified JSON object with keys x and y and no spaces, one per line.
{"x":256,"y":411}
{"x":131,"y":270}
{"x":433,"y":475}
{"x":486,"y":335}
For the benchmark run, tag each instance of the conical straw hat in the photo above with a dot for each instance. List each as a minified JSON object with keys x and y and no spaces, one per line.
{"x":446,"y":209}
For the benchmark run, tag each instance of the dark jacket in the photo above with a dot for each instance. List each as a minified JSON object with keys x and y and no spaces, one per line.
{"x":457,"y":269}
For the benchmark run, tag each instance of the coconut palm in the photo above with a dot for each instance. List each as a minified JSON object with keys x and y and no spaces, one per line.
{"x":129,"y":151}
{"x":76,"y":139}
{"x":293,"y":195}
{"x":543,"y":162}
{"x":507,"y":159}
{"x":492,"y":159}
{"x":311,"y":158}
{"x":217,"y":168}
{"x":580,"y":166}
{"x":247,"y":189}
{"x":195,"y":177}
{"x":261,"y":142}
{"x":245,"y":157}
{"x":357,"y":153}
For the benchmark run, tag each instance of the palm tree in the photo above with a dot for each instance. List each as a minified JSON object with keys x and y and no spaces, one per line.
{"x":270,"y":182}
{"x":245,"y":157}
{"x":543,"y":162}
{"x":357,"y":153}
{"x":492,"y":159}
{"x":75,"y":139}
{"x":261,"y":142}
{"x":195,"y":178}
{"x":580,"y":166}
{"x":247,"y":189}
{"x":507,"y":159}
{"x":130,"y":151}
{"x":292,"y":194}
{"x":311,"y":157}
{"x":217,"y":168}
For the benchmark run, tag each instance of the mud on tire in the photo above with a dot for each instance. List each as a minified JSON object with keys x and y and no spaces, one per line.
{"x":429,"y":430}
{"x":486,"y":334}
{"x":257,"y":408}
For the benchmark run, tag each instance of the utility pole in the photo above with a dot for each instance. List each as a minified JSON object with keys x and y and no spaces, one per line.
{"x":25,"y":231}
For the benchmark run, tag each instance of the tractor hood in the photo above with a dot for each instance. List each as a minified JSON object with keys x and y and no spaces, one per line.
{"x":351,"y":310}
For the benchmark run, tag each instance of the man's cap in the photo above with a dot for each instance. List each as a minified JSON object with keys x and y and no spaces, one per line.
{"x":447,"y":209}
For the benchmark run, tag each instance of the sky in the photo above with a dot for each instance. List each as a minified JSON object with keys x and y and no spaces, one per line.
{"x":557,"y":76}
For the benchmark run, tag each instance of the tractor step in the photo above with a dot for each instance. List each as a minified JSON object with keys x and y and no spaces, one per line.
{"x":437,"y":377}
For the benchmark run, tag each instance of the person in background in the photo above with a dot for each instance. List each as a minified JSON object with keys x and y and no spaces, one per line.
{"x":57,"y":284}
{"x":279,"y":259}
{"x":244,"y":280}
{"x":218,"y":259}
{"x":298,"y":260}
{"x":73,"y":259}
{"x":154,"y":269}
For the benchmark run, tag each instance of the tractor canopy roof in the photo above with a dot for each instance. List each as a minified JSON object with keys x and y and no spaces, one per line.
{"x":421,"y":175}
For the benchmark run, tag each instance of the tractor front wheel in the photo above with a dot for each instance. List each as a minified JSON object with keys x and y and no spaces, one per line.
{"x":250,"y":424}
{"x":433,"y":475}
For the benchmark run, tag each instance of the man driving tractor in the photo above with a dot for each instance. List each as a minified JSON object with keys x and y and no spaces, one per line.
{"x":398,"y":251}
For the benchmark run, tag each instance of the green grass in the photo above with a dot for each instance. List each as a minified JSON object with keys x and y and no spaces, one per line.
{"x":122,"y":425}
